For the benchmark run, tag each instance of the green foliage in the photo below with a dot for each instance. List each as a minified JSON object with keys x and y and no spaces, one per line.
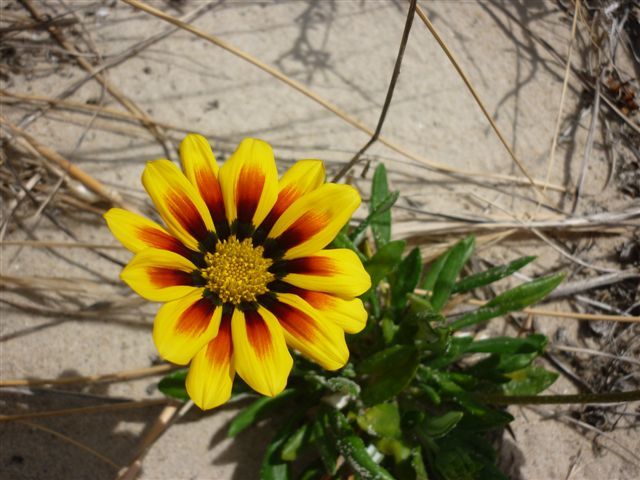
{"x":172,"y":385}
{"x":413,"y":402}
{"x":258,"y":410}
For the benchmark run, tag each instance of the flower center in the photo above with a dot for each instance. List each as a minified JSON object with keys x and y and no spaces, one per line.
{"x":237,"y":271}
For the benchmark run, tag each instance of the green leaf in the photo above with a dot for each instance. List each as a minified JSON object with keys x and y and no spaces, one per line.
{"x":491,"y":275}
{"x":381,"y":225}
{"x":294,"y":443}
{"x":529,"y":381}
{"x":395,"y":447}
{"x":172,"y":385}
{"x":354,"y":451}
{"x":512,"y":300}
{"x":385,"y":260}
{"x":457,"y":464}
{"x":406,"y":278}
{"x":454,"y":349}
{"x":273,"y":466}
{"x":389,"y":329}
{"x":321,"y":438}
{"x":417,"y":462}
{"x":532,"y":343}
{"x":382,"y":420}
{"x":479,"y":416}
{"x":258,"y":410}
{"x":433,"y":273}
{"x":437,"y":427}
{"x":457,"y":258}
{"x":380,"y":211}
{"x":390,"y":371}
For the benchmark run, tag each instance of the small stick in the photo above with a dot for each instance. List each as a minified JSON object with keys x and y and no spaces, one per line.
{"x":108,"y":407}
{"x":588,"y":351}
{"x":73,"y":442}
{"x":574,"y":315}
{"x":73,"y":170}
{"x":167,"y":417}
{"x":387,"y":100}
{"x":46,"y":244}
{"x":472,"y":90}
{"x":565,"y":84}
{"x":326,"y":104}
{"x":121,"y":376}
{"x":86,"y":65}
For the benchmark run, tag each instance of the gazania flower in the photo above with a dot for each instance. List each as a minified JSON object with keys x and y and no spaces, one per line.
{"x":242,"y":267}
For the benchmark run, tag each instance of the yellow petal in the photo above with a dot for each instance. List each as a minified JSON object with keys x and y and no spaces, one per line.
{"x":314,"y":220}
{"x":249,"y":182}
{"x":200,"y":167}
{"x":261,"y":357}
{"x":182,"y":327}
{"x":137,"y":233}
{"x":159,"y":275}
{"x":350,"y":315}
{"x":309,"y":332}
{"x":178,"y":202}
{"x":211,"y":372}
{"x":338,"y":271}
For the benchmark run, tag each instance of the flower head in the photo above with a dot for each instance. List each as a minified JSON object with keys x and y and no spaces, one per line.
{"x":242,"y":267}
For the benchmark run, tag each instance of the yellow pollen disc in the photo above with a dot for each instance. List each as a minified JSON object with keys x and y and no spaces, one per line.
{"x":237,"y":271}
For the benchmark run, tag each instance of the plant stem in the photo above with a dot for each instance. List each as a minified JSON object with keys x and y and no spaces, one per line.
{"x":608,"y":397}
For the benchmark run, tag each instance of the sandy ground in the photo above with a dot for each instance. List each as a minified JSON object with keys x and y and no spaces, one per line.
{"x":344,"y":51}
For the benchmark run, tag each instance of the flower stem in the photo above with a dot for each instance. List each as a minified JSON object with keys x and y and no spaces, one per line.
{"x":609,"y":397}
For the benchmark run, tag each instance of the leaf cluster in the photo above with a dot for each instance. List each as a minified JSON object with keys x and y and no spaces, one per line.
{"x":408,"y":405}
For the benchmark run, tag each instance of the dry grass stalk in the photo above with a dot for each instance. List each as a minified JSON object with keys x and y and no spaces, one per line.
{"x":108,"y":407}
{"x":121,"y":376}
{"x":326,"y":104}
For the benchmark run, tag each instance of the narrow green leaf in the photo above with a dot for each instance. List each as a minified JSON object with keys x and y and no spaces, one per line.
{"x":417,"y":462}
{"x":354,"y":451}
{"x":532,"y":343}
{"x":381,"y":224}
{"x":495,"y":366}
{"x":377,"y":212}
{"x":406,"y":278}
{"x":294,"y":443}
{"x":529,"y":381}
{"x":433,"y":272}
{"x":273,"y":465}
{"x":512,"y":300}
{"x":385,"y":260}
{"x":382,"y":420}
{"x":437,"y":427}
{"x":390,"y":371}
{"x":321,"y":438}
{"x":459,"y":255}
{"x":491,"y":275}
{"x":258,"y":410}
{"x":528,"y":293}
{"x":172,"y":385}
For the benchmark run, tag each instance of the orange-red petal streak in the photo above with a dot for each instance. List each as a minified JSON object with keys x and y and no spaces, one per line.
{"x":167,"y":277}
{"x":158,"y":239}
{"x":195,"y":319}
{"x":248,"y":192}
{"x":301,"y":230}
{"x":185,"y":212}
{"x":258,"y":334}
